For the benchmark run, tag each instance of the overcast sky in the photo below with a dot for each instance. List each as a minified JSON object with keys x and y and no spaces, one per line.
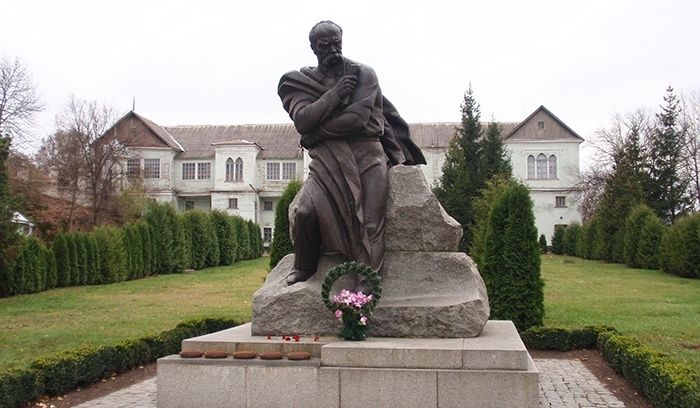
{"x":218,"y":62}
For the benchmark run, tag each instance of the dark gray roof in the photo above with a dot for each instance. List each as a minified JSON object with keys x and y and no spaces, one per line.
{"x":281,"y":141}
{"x":277,"y":141}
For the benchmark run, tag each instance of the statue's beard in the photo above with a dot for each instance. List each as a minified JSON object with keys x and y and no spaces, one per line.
{"x":332,"y":60}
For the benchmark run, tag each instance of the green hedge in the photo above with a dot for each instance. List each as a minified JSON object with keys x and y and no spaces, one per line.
{"x":680,"y":248}
{"x":66,"y":371}
{"x":163,"y":242}
{"x":558,"y":239}
{"x":665,"y":382}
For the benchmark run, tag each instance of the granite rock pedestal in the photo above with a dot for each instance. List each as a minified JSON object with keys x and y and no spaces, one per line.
{"x":429,"y":289}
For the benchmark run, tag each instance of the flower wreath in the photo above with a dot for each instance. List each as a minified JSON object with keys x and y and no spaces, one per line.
{"x":353,"y":308}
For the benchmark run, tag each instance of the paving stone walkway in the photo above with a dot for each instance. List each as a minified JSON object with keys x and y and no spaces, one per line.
{"x":563,"y":384}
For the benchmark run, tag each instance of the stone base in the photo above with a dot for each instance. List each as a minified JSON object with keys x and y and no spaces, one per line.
{"x":425,"y":294}
{"x":492,"y":370}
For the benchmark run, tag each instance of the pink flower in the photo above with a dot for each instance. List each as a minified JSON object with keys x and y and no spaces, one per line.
{"x":338,"y":314}
{"x":363,"y":320}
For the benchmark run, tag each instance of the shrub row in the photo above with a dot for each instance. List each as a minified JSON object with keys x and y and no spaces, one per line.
{"x":643,"y":242}
{"x":66,"y":371}
{"x":162,"y":242}
{"x":667,"y":383}
{"x":33,"y":270}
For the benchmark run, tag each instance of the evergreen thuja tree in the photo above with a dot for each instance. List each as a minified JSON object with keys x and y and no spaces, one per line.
{"x":473,"y":157}
{"x":459,"y":182}
{"x":8,"y":230}
{"x":511,"y":266}
{"x":558,"y":239}
{"x":668,"y":186}
{"x":282,"y":241}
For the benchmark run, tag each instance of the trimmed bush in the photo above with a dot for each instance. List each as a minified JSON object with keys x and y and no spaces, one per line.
{"x":63,"y":264}
{"x":18,"y":387}
{"x":134,"y":250}
{"x":562,"y":339}
{"x":281,"y":241}
{"x":202,"y":236}
{"x":584,"y":243}
{"x":169,"y":236}
{"x":74,"y":277}
{"x":65,"y":371}
{"x":542,"y":243}
{"x":113,"y":258}
{"x":255,"y":236}
{"x":680,"y":248}
{"x":226,"y":236}
{"x":633,"y":227}
{"x":511,"y":267}
{"x":148,"y":248}
{"x":93,"y":264}
{"x":243,"y":234}
{"x":649,"y":242}
{"x":571,"y":238}
{"x":665,"y":382}
{"x":82,"y":271}
{"x":50,"y":268}
{"x":598,"y":241}
{"x":558,"y":239}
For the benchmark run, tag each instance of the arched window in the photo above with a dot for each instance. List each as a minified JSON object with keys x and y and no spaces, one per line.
{"x":531,"y":167}
{"x":552,"y":166}
{"x":541,"y":166}
{"x":229,"y":169}
{"x":234,"y":169}
{"x":238,"y":170}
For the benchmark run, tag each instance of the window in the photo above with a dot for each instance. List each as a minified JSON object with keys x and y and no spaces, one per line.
{"x":267,"y":234}
{"x":188,"y":171}
{"x":531,"y":167}
{"x":560,"y":201}
{"x":203,"y":171}
{"x":229,"y":169}
{"x":239,"y":170}
{"x":552,"y":166}
{"x":273,"y":171}
{"x":189,"y":205}
{"x":541,"y":166}
{"x":234,"y":170}
{"x":289,"y":171}
{"x":268,"y":205}
{"x":133,"y":167}
{"x":233,"y":203}
{"x":151,"y":168}
{"x":540,"y":124}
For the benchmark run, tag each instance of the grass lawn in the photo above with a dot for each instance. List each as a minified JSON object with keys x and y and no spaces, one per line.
{"x":64,"y":319}
{"x":659,"y":309}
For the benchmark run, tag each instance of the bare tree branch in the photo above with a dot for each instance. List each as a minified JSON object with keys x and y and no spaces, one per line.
{"x":19,"y":101}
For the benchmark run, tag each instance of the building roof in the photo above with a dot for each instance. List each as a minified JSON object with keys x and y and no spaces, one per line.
{"x":547,"y":112}
{"x":279,"y":141}
{"x":157,"y":130}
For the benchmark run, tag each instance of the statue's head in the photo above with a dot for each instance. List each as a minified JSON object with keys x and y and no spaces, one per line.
{"x":326,"y":40}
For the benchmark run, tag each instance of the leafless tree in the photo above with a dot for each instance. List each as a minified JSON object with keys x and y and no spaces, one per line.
{"x":100,"y":153}
{"x":626,"y":135}
{"x":690,"y":122}
{"x":61,"y":155}
{"x":19,"y":101}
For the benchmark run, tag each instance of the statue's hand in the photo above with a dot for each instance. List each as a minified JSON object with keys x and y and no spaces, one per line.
{"x":345,"y":86}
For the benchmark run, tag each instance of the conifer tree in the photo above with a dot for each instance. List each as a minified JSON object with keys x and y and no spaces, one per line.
{"x":511,"y":267}
{"x":668,"y":186}
{"x":470,"y":160}
{"x":282,"y":241}
{"x":8,"y":230}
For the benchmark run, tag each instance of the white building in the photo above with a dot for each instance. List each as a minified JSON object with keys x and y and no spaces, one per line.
{"x":243,"y":169}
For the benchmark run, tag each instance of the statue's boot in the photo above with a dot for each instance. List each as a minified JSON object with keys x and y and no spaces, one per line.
{"x":298,"y":275}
